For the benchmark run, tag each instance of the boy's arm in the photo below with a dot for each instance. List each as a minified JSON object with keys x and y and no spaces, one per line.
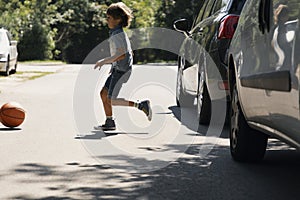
{"x":119,"y":56}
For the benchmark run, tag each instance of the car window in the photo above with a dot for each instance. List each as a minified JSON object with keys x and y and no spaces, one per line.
{"x":208,"y":9}
{"x":220,"y":5}
{"x":292,"y":7}
{"x":237,"y":6}
{"x":200,"y":15}
{"x":8,"y":36}
{"x":284,"y":17}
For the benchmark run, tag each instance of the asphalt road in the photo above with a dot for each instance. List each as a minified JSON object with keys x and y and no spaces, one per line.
{"x":56,"y":154}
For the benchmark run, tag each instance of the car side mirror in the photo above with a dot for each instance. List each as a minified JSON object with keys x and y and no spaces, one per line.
{"x":13,"y":43}
{"x":181,"y":25}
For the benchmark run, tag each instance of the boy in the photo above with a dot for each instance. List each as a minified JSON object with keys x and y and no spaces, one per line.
{"x":118,"y":16}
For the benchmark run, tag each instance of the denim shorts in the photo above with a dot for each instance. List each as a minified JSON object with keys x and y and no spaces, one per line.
{"x":115,"y":81}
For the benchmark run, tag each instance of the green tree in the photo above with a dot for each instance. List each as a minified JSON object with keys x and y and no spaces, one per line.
{"x":36,"y":42}
{"x":80,"y":27}
{"x":144,"y":12}
{"x":69,"y":30}
{"x":172,"y":10}
{"x":11,"y":16}
{"x":30,"y":24}
{"x":82,"y":24}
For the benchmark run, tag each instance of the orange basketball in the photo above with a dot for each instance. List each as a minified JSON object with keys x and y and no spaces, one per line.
{"x":12,"y":114}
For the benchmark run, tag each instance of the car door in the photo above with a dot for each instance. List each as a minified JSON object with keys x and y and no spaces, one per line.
{"x":283,"y":41}
{"x":202,"y":33}
{"x":251,"y":64}
{"x":12,"y":48}
{"x":190,"y":51}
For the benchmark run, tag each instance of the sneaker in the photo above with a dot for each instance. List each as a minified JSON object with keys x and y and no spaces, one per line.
{"x":108,"y":126}
{"x":145,"y":107}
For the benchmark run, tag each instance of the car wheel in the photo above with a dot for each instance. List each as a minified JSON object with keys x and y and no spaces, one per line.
{"x":182,"y":99}
{"x":246,"y":144}
{"x":13,"y":71}
{"x":203,"y":103}
{"x":6,"y":73}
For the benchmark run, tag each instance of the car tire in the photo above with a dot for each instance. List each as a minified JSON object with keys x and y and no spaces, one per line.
{"x":7,"y":71}
{"x":203,"y":104}
{"x":13,"y":71}
{"x":182,"y":99}
{"x":246,"y":144}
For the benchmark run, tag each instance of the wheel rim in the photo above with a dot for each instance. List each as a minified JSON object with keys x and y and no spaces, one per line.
{"x":179,"y":79}
{"x":7,"y":69}
{"x":200,"y":94}
{"x":234,"y":118}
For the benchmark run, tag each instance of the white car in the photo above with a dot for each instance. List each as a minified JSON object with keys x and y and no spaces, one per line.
{"x":8,"y":53}
{"x":264,"y":74}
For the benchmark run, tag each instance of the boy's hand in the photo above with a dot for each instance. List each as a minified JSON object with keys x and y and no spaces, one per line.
{"x":99,"y":64}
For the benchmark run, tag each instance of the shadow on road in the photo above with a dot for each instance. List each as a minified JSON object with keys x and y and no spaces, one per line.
{"x":98,"y":135}
{"x":213,"y":177}
{"x":188,"y":117}
{"x":10,"y":129}
{"x":94,"y":135}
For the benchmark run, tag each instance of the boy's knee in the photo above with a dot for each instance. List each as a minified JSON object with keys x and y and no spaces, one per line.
{"x":113,"y":101}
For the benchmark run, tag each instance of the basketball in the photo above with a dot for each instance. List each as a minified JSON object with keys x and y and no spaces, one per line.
{"x":12,"y":114}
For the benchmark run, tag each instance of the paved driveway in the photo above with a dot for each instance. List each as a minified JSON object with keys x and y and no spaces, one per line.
{"x":162,"y":159}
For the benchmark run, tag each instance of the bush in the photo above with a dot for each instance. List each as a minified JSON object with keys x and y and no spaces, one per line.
{"x":36,"y":43}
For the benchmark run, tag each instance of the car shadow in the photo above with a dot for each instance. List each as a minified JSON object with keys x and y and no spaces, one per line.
{"x":188,"y":117}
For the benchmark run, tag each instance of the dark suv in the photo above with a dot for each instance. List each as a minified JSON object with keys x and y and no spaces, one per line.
{"x":264,"y":78}
{"x":202,"y":63}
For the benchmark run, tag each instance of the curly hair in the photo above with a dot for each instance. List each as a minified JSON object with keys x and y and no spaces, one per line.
{"x":120,"y":11}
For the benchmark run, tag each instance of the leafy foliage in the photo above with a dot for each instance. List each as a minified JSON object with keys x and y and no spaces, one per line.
{"x":68,"y":30}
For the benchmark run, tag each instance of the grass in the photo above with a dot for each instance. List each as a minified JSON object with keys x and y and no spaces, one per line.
{"x":31,"y":75}
{"x":158,"y":62}
{"x":42,"y":61}
{"x":26,"y":75}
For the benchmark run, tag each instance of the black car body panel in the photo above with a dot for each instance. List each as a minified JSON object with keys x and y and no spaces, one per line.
{"x":206,"y":50}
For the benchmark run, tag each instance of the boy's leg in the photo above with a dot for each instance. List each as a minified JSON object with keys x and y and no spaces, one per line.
{"x":109,"y":124}
{"x":144,"y":106}
{"x":111,"y":90}
{"x":122,"y":102}
{"x":106,"y":102}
